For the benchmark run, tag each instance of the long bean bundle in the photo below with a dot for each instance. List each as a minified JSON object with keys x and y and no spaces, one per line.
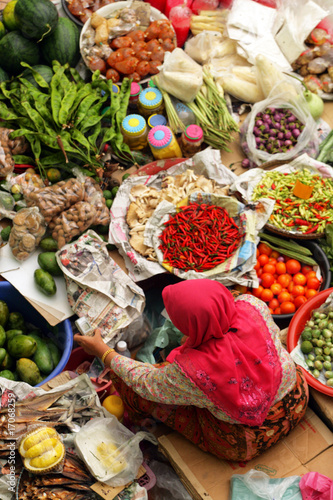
{"x":294,"y":213}
{"x":199,"y":237}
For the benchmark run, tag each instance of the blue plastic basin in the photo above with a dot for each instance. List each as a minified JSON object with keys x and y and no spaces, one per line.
{"x":61,"y":334}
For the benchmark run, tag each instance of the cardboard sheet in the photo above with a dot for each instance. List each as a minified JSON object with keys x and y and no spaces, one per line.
{"x":21,"y":275}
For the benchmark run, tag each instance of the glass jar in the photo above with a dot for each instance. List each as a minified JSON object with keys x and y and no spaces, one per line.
{"x":134,"y":95}
{"x":150,"y":102}
{"x":163,"y":143}
{"x":191,"y":140}
{"x":155,"y":120}
{"x":135,"y":132}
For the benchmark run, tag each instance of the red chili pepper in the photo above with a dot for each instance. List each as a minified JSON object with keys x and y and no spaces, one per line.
{"x":273,"y":186}
{"x":302,"y":222}
{"x":312,"y":230}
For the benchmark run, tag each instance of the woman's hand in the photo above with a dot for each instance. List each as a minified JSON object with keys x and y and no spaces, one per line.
{"x":92,"y":345}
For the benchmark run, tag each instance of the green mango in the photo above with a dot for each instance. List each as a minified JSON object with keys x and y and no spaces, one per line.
{"x":48,"y":262}
{"x":28,"y":371}
{"x":7,"y":363}
{"x":45,"y":282}
{"x":2,"y":336}
{"x":3,"y":353}
{"x":16,"y":322}
{"x":22,"y":346}
{"x":4,"y":313}
{"x":42,"y":356}
{"x":55,"y":352}
{"x":10,"y":334}
{"x":7,"y":374}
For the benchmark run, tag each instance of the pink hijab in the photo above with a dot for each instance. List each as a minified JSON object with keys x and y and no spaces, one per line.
{"x":229,"y":353}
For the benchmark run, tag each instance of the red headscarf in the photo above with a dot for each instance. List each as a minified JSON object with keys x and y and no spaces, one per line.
{"x":229,"y":353}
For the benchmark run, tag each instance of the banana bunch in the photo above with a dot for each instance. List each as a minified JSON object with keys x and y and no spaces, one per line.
{"x":41,"y":450}
{"x":107,"y":453}
{"x":209,"y":20}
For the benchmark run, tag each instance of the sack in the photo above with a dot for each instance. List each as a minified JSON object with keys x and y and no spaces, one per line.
{"x":315,"y":486}
{"x":307,"y":142}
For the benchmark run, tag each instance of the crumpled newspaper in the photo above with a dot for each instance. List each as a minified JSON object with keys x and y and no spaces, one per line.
{"x":207,"y":163}
{"x":98,"y":288}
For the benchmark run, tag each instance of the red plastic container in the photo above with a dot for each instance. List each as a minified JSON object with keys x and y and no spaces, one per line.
{"x":158,"y":4}
{"x":77,"y":357}
{"x":301,"y":316}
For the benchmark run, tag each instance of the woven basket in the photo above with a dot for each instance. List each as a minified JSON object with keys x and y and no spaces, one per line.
{"x":270,"y":165}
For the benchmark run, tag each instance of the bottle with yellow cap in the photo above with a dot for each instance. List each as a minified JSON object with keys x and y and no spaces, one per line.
{"x":163,"y":143}
{"x":114,"y":405}
{"x":150,"y":102}
{"x":135,"y":132}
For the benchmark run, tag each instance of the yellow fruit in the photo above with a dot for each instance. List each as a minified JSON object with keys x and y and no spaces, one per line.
{"x":36,"y":437}
{"x":8,"y":16}
{"x":51,"y":457}
{"x":104,"y":450}
{"x":118,"y":466}
{"x":114,"y":405}
{"x":42,"y":447}
{"x":53,"y":175}
{"x":16,"y":189}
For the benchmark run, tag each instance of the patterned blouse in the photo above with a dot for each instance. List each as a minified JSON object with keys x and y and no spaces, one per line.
{"x":169,"y":385}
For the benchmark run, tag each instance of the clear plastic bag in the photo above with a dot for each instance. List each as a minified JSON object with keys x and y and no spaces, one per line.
{"x":256,"y":485}
{"x":28,"y":229}
{"x":72,"y":222}
{"x":315,"y":486}
{"x":202,"y":47}
{"x":180,"y":75}
{"x":94,"y":195}
{"x":137,"y":332}
{"x":168,"y":484}
{"x":307,"y":141}
{"x":110,"y":450}
{"x":54,"y":199}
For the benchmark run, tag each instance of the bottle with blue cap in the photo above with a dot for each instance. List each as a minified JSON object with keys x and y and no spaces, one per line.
{"x":150,"y":102}
{"x":163,"y":143}
{"x":135,"y":132}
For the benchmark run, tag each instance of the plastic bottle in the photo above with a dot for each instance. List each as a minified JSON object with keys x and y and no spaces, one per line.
{"x":173,"y":3}
{"x":184,"y":113}
{"x":180,"y":17}
{"x":150,"y":102}
{"x":122,"y":349}
{"x":135,"y":132}
{"x":163,"y":143}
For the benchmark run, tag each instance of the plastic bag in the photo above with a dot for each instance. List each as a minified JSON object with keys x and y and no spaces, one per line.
{"x":110,"y":450}
{"x":203,"y":47}
{"x":315,"y":486}
{"x":28,"y":229}
{"x":8,"y":147}
{"x":94,"y":195}
{"x":255,"y":485}
{"x":72,"y":222}
{"x":307,"y":142}
{"x":180,"y":75}
{"x":54,"y":199}
{"x":168,"y":484}
{"x":137,"y":332}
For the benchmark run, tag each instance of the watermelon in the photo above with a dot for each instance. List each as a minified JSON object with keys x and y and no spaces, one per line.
{"x":3,"y":75}
{"x":45,"y":71}
{"x":36,"y":18}
{"x":14,"y":48}
{"x":63,"y":44}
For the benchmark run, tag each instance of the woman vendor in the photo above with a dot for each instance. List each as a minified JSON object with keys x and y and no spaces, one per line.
{"x":230,"y":388}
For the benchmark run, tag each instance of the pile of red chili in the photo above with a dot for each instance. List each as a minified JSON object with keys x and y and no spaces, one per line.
{"x":199,"y":237}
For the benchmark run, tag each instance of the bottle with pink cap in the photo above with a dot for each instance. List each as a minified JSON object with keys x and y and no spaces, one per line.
{"x":163,"y":143}
{"x":191,"y":140}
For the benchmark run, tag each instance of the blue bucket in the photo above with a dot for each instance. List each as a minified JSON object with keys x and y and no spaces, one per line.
{"x":61,"y":334}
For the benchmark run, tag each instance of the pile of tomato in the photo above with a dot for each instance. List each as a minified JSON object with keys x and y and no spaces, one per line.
{"x":284,"y":284}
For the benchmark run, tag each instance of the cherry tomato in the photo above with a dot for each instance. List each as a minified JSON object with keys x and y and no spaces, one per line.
{"x":271,"y":260}
{"x":113,"y":75}
{"x":263,"y":248}
{"x":154,"y":67}
{"x":127,"y":66}
{"x":291,"y":286}
{"x":257,"y":291}
{"x":277,"y":310}
{"x":269,"y":268}
{"x":267,"y":280}
{"x":281,"y":268}
{"x":259,"y":272}
{"x":275,"y":255}
{"x":263,"y":259}
{"x":266,"y":295}
{"x":121,"y":41}
{"x":257,"y":266}
{"x":299,"y":279}
{"x":284,"y":280}
{"x":306,"y":269}
{"x":134,"y":76}
{"x":96,"y":63}
{"x":298,"y":290}
{"x":293,"y":266}
{"x":311,"y":274}
{"x":284,"y":297}
{"x":271,"y":310}
{"x":115,"y":57}
{"x":143,"y":68}
{"x":276,"y":289}
{"x":313,"y":283}
{"x":300,"y":300}
{"x":287,"y":308}
{"x":311,"y":293}
{"x":274,"y":303}
{"x":137,"y":35}
{"x":257,"y":253}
